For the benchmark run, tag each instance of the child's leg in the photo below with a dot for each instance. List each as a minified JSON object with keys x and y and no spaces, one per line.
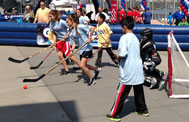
{"x":140,"y":99}
{"x":74,"y":59}
{"x":67,"y":61}
{"x":112,"y":55}
{"x":91,"y":67}
{"x":60,"y":55}
{"x":122,"y":93}
{"x":99,"y":58}
{"x":84,"y":67}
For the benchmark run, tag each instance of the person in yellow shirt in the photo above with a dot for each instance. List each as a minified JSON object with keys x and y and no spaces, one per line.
{"x":104,"y":43}
{"x":42,"y":14}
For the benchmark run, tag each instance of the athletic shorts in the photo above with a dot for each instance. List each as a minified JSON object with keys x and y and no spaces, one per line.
{"x":87,"y":54}
{"x":64,"y":47}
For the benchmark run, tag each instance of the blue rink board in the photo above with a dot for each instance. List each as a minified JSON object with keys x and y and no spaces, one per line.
{"x":12,"y":33}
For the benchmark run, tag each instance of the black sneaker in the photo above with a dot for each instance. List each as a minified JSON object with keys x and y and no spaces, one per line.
{"x":116,"y":119}
{"x":92,"y":82}
{"x":162,"y":85}
{"x":66,"y":72}
{"x":96,"y":73}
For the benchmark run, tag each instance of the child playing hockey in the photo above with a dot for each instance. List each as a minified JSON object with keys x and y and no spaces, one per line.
{"x":79,"y":33}
{"x":151,"y":58}
{"x":104,"y":32}
{"x":131,"y":72}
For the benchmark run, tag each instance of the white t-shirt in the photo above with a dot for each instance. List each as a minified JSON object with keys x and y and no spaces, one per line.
{"x":83,"y":20}
{"x":130,"y":69}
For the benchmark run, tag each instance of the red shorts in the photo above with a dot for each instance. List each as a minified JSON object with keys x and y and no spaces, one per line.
{"x":64,"y":47}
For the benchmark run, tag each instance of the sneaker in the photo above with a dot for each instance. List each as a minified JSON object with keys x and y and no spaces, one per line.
{"x":64,"y":72}
{"x":163,"y":82}
{"x":162,"y":85}
{"x":145,"y":114}
{"x":153,"y":83}
{"x":96,"y":73}
{"x":92,"y":82}
{"x":99,"y":68}
{"x":116,"y":119}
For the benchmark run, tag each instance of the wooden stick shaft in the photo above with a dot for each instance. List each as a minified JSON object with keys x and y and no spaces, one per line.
{"x":64,"y":59}
{"x":43,"y":49}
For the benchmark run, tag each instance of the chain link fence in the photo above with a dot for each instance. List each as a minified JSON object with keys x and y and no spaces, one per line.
{"x":159,"y":8}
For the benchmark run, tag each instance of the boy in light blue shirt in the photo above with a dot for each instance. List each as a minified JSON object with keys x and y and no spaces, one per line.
{"x":131,"y":72}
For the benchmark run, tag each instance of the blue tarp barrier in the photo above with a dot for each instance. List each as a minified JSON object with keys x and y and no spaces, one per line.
{"x":12,"y":33}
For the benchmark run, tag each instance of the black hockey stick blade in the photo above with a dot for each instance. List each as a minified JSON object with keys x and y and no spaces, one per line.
{"x":17,"y":61}
{"x":34,"y":80}
{"x":35,"y":67}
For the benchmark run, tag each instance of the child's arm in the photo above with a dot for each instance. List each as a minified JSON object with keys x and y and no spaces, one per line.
{"x":73,"y":46}
{"x":119,"y":59}
{"x":67,"y":35}
{"x":109,"y":33}
{"x":91,"y":34}
{"x":54,"y":38}
{"x":108,"y":39}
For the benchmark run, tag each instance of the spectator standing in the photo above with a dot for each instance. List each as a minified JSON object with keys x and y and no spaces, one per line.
{"x":28,"y":15}
{"x":147,"y":16}
{"x":42,"y":14}
{"x":139,"y":17}
{"x":86,"y":18}
{"x":178,"y":15}
{"x":121,"y":13}
{"x":135,"y":14}
{"x":183,"y":22}
{"x":130,"y":12}
{"x":14,"y":11}
{"x":141,"y":14}
{"x":101,"y":12}
{"x":82,"y":19}
{"x":170,"y":17}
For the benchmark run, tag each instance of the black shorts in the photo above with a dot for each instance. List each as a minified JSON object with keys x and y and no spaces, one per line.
{"x":87,"y":54}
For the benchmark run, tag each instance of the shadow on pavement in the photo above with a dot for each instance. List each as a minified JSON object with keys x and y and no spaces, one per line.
{"x":39,"y":112}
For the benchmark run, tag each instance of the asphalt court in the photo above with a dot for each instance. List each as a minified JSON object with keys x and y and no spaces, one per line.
{"x":84,"y":103}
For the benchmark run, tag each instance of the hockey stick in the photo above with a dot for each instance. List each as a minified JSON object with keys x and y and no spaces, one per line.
{"x":35,"y":67}
{"x":27,"y":58}
{"x":43,"y":75}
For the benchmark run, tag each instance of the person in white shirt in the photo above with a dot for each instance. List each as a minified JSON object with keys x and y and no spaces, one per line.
{"x":86,"y":18}
{"x":82,"y":19}
{"x":101,"y":12}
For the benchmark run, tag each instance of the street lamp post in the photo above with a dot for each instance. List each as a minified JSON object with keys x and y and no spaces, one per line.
{"x":152,"y":9}
{"x":174,"y":6}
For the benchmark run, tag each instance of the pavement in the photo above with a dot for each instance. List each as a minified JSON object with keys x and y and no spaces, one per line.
{"x":66,"y":98}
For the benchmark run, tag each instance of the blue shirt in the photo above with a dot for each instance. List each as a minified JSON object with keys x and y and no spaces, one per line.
{"x":178,"y":15}
{"x":131,"y":69}
{"x":82,"y":37}
{"x":170,"y":18}
{"x":147,"y":15}
{"x":83,"y":20}
{"x":60,"y":28}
